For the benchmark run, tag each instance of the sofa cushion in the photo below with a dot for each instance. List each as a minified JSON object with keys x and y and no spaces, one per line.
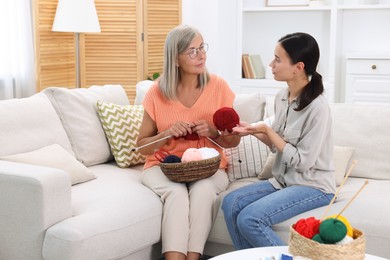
{"x":121,"y":125}
{"x":362,"y":213}
{"x":78,"y":112}
{"x":140,"y":90}
{"x":365,"y":128}
{"x":114,"y":216}
{"x":247,"y":159}
{"x":250,"y":107}
{"x":219,"y":232}
{"x":28,"y":124}
{"x":55,"y":156}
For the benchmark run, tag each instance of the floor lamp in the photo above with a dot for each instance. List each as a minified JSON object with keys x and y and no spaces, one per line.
{"x":77,"y":16}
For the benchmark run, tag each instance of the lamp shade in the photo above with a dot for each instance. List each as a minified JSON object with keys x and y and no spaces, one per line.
{"x":78,"y":16}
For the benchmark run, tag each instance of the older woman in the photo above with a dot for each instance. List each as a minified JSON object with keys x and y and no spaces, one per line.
{"x":181,"y":102}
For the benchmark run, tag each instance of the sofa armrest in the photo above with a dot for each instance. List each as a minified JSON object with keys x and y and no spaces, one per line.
{"x":32,"y":198}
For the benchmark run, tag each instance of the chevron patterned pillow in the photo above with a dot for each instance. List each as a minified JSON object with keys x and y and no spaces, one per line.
{"x":121,"y":125}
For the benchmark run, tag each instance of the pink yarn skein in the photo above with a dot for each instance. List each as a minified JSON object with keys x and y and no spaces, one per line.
{"x":191,"y":154}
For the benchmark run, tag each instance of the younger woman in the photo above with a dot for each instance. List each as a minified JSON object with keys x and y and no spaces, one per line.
{"x":301,"y":136}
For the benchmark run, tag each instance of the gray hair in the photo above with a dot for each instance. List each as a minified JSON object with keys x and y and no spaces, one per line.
{"x":177,"y":41}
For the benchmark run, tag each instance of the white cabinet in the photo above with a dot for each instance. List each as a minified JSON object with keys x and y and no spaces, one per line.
{"x":339,"y":27}
{"x":367,"y":79}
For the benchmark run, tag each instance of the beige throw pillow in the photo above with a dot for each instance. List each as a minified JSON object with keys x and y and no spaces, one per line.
{"x":121,"y":125}
{"x":79,"y":116}
{"x":266,"y":173}
{"x":250,"y":107}
{"x":342,"y":159}
{"x":55,"y":156}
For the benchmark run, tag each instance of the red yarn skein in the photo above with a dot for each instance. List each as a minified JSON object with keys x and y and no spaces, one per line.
{"x":307,"y":227}
{"x":193,"y":136}
{"x":226,"y":118}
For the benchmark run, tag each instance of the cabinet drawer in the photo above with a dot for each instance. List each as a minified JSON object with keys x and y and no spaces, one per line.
{"x":368,"y":66}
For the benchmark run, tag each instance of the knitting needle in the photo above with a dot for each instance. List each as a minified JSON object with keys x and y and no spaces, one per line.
{"x":346,"y":206}
{"x":166,"y":137}
{"x":214,"y":142}
{"x":338,"y":190}
{"x":153,"y":142}
{"x":156,"y":141}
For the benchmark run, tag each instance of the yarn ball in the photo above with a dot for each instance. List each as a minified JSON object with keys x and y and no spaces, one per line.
{"x":319,"y":239}
{"x":208,"y":153}
{"x":172,"y":159}
{"x":191,"y":154}
{"x":345,"y":240}
{"x":332,"y":230}
{"x":193,"y":136}
{"x":226,"y":118}
{"x":307,"y":227}
{"x":346,"y":223}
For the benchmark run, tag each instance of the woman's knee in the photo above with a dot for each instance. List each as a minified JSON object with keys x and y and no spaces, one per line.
{"x":228,"y":203}
{"x":177,"y":190}
{"x":242,"y":222}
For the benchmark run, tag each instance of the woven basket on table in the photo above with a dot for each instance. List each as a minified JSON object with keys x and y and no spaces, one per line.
{"x":191,"y":171}
{"x":302,"y":246}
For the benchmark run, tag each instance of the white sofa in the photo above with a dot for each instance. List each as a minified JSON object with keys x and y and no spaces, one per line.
{"x":364,"y":128}
{"x":113,"y":216}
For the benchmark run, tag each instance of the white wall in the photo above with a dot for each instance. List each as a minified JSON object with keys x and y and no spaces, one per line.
{"x":203,"y":15}
{"x":216,"y":20}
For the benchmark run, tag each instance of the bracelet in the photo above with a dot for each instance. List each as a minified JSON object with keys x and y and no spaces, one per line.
{"x":218,"y":134}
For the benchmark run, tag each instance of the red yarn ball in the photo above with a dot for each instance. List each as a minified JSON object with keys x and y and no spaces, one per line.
{"x":193,"y":136}
{"x":226,"y":118}
{"x":307,"y":227}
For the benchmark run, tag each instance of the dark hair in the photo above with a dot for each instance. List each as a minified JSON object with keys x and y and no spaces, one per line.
{"x":302,"y":47}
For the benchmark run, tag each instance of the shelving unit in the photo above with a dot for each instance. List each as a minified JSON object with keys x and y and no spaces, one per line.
{"x":338,"y":26}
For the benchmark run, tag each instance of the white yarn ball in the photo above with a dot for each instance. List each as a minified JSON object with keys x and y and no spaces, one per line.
{"x":345,"y":240}
{"x":207,"y":152}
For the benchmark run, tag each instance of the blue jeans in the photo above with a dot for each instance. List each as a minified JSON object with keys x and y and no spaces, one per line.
{"x":251,"y":211}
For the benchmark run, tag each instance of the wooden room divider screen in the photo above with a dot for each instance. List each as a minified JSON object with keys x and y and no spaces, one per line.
{"x":128,"y":49}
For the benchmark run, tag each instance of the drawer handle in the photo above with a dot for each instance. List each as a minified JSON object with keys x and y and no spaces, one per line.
{"x":373,"y":67}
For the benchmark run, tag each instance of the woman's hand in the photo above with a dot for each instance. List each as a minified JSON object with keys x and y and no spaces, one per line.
{"x":180,"y":129}
{"x":202,"y":128}
{"x":245,"y":128}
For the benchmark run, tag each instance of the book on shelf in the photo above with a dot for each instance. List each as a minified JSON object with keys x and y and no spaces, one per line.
{"x":252,"y":67}
{"x":258,"y":67}
{"x":247,"y":67}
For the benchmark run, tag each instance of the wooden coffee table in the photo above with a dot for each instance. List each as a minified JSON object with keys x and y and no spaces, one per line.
{"x":263,"y":253}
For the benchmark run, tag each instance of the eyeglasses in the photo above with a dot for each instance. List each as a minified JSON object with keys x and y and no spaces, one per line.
{"x":193,"y":52}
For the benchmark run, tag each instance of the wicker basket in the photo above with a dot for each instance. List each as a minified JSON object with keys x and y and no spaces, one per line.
{"x":302,"y":246}
{"x":191,"y":171}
